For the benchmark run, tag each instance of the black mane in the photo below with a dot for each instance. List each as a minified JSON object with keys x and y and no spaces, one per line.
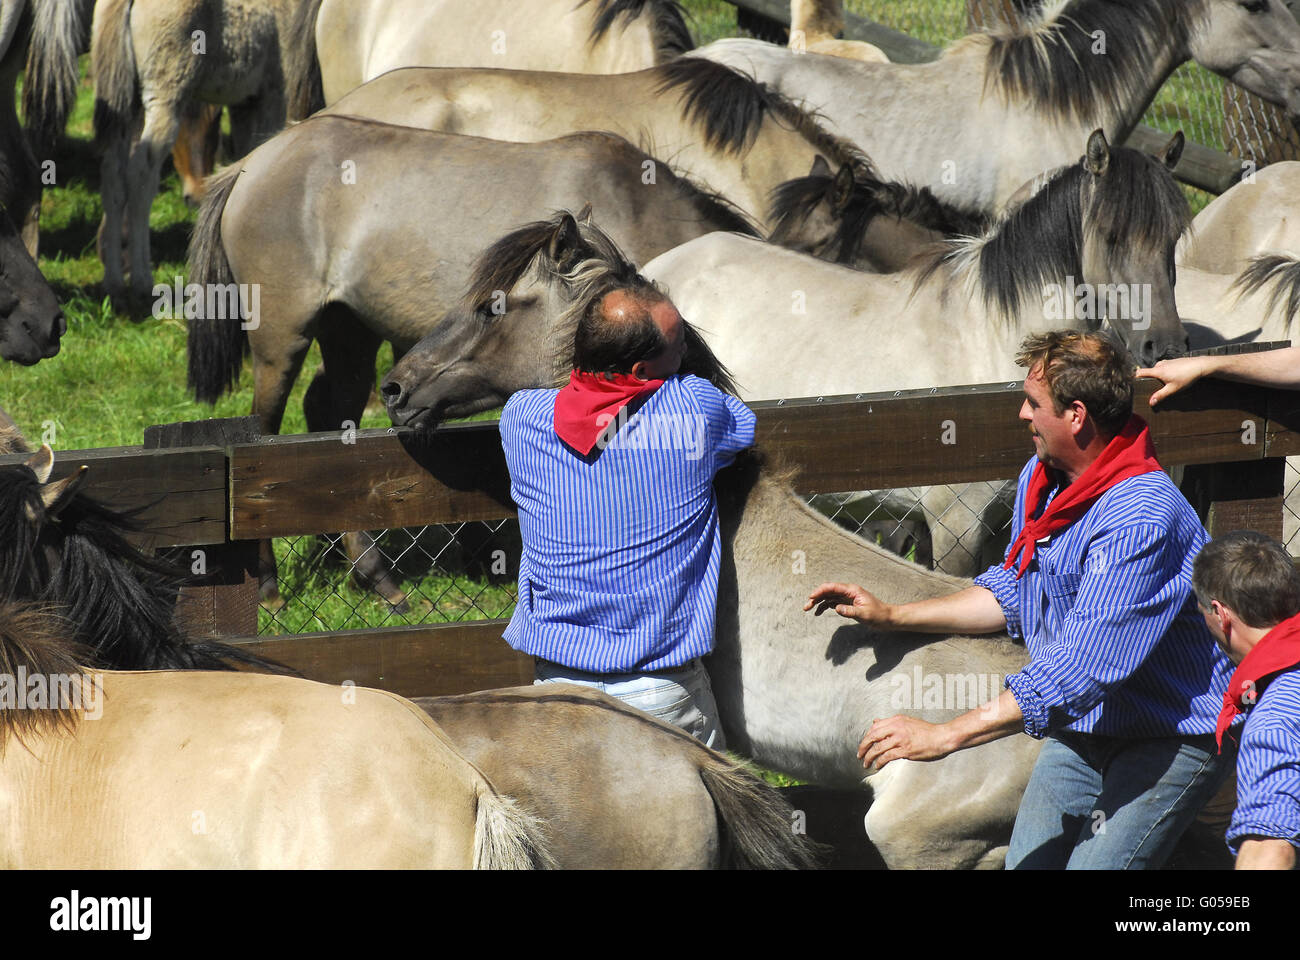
{"x":1042,"y":240}
{"x":671,"y":34}
{"x":1052,"y":64}
{"x":732,"y":106}
{"x":116,"y":602}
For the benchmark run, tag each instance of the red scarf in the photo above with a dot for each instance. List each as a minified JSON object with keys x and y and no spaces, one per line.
{"x":1129,"y":454}
{"x":586,"y":408}
{"x":1277,"y":650}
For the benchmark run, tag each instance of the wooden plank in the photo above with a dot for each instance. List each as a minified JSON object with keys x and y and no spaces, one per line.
{"x":429,"y":660}
{"x":315,"y":484}
{"x":184,"y":490}
{"x":1247,"y":496}
{"x":1199,"y":166}
{"x":221,"y":600}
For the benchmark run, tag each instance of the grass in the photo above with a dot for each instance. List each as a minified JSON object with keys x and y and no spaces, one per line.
{"x":114,"y":377}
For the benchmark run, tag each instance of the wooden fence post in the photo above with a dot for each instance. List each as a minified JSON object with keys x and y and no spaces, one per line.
{"x":223,"y":600}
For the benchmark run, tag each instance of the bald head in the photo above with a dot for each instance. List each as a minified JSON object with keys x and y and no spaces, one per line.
{"x":632,"y":330}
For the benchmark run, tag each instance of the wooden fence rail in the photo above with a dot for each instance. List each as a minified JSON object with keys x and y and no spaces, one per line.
{"x":1230,"y":436}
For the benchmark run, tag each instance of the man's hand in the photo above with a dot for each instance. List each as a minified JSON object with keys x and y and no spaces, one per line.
{"x":851,"y":602}
{"x":903,"y":738}
{"x":1176,"y":374}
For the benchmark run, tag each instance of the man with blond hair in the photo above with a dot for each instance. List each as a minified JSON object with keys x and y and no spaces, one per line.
{"x":1124,"y":680}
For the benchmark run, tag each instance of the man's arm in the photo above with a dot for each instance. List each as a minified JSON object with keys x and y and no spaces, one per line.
{"x":901,"y":737}
{"x":972,"y":610}
{"x":1266,"y":853}
{"x":1269,"y":368}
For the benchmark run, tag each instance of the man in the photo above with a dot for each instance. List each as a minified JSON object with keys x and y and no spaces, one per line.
{"x":1249,"y":592}
{"x":1124,"y":679}
{"x":613,"y":477}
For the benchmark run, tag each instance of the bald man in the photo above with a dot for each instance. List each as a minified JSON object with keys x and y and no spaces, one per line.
{"x":613,"y":478}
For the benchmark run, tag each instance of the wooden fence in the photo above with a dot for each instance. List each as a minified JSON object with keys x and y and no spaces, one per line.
{"x":1232,"y":437}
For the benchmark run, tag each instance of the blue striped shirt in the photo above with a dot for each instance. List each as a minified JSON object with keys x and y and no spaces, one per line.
{"x":620,"y":561}
{"x":1268,"y":765}
{"x":1106,"y":611}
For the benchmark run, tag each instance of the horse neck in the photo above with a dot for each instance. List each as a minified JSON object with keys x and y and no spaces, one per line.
{"x":1116,"y":120}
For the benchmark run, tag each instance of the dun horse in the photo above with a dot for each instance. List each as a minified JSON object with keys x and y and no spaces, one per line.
{"x":997,"y":108}
{"x":151,"y":59}
{"x":708,"y":122}
{"x":207,"y":769}
{"x":359,"y":41}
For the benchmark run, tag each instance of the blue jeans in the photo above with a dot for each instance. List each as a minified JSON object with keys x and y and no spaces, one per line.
{"x":682,"y":698}
{"x":1110,"y":803}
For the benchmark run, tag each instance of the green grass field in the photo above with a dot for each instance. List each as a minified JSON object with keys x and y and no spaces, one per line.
{"x":114,"y":377}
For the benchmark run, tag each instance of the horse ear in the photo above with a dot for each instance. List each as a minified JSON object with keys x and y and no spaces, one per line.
{"x":584,"y":215}
{"x":565,"y":238}
{"x":41,"y":462}
{"x":820,"y":167}
{"x":1097,"y":158}
{"x":55,"y":496}
{"x":1173,"y":150}
{"x":842,"y":190}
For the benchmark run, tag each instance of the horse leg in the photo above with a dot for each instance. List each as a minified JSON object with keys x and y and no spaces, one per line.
{"x":161,"y":125}
{"x":112,"y":177}
{"x":337,"y":396}
{"x":195,"y":152}
{"x":276,"y":363}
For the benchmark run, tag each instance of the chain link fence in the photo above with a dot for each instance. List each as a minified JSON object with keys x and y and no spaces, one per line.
{"x":468,"y":571}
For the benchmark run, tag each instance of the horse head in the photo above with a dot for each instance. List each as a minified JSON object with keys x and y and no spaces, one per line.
{"x":1255,"y":44}
{"x":31,"y":321}
{"x":514,"y":328}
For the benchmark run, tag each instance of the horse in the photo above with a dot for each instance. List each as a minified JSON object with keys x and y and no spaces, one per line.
{"x":359,"y":41}
{"x":60,"y":33}
{"x":998,"y":107}
{"x":676,"y":805}
{"x":202,"y":768}
{"x":794,"y":692}
{"x":1253,"y":217}
{"x":146,"y":62}
{"x":354,"y":232}
{"x":706,"y":121}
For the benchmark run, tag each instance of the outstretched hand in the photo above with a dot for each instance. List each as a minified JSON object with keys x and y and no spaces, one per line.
{"x":1176,"y":374}
{"x":849,"y":601}
{"x":902,"y":738}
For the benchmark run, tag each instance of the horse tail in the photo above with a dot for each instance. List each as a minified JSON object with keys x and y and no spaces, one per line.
{"x":216,"y":346}
{"x":1283,"y":272}
{"x":505,"y":837}
{"x":117,"y":100}
{"x":305,"y":93}
{"x":760,"y":824}
{"x":50,"y":83}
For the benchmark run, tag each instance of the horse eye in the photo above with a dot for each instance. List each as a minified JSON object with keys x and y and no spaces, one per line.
{"x":1255,"y":6}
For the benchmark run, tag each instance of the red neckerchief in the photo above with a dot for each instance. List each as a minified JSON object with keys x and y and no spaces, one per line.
{"x":1277,"y":650}
{"x":585,"y":408}
{"x":1129,"y":454}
